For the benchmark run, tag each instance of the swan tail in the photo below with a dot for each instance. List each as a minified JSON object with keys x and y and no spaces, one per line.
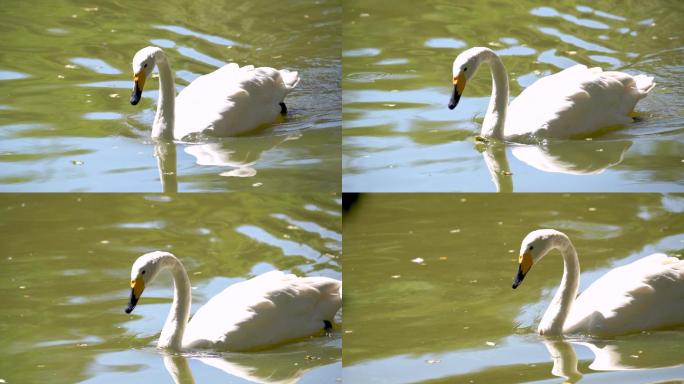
{"x":644,"y":84}
{"x":290,"y":78}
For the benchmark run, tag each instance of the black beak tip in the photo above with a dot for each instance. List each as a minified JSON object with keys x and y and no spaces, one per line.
{"x":518,"y":279}
{"x":132,"y":302}
{"x":455,"y":97}
{"x":135,"y":96}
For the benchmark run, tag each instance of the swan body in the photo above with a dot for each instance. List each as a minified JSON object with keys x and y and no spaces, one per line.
{"x":643,"y":295}
{"x":230,"y":101}
{"x":575,"y":102}
{"x":268,"y":309}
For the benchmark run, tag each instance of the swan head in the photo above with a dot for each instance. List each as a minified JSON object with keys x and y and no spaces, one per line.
{"x":143,"y":65}
{"x":465,"y":66}
{"x":533,"y":247}
{"x":145,"y":269}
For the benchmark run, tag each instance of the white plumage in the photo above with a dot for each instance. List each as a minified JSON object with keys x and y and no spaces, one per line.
{"x":575,"y":102}
{"x":643,"y":295}
{"x":230,"y":101}
{"x":268,"y":309}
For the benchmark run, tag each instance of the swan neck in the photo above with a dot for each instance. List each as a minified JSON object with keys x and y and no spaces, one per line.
{"x":172,"y":334}
{"x":559,"y":309}
{"x":495,"y":118}
{"x":164,"y":119}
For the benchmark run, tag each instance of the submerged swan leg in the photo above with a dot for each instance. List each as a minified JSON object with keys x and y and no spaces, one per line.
{"x":283,"y":109}
{"x":327,"y":326}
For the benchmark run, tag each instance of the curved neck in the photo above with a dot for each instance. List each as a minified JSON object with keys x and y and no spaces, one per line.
{"x":558,"y":310}
{"x":164,"y":119}
{"x":172,"y":334}
{"x":495,"y":118}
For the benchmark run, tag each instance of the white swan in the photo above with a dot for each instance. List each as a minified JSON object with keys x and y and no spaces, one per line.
{"x":227,"y":102}
{"x":646,"y":294}
{"x":265,"y":310}
{"x":575,"y":102}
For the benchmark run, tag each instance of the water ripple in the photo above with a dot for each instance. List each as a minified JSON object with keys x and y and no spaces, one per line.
{"x":95,"y":65}
{"x":550,"y":12}
{"x":576,"y":41}
{"x":210,"y":38}
{"x":12,"y":75}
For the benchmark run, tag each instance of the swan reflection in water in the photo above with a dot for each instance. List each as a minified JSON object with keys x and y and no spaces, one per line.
{"x":631,"y":354}
{"x":584,"y":157}
{"x":255,"y":367}
{"x":237,"y":155}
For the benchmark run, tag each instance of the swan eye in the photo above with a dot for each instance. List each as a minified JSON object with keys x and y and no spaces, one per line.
{"x":531,"y":248}
{"x":143,"y":272}
{"x":145,"y":65}
{"x":465,"y":69}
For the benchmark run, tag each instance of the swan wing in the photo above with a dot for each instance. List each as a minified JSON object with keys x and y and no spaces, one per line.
{"x":576,"y":102}
{"x":645,"y":294}
{"x":232,"y":100}
{"x":265,"y":310}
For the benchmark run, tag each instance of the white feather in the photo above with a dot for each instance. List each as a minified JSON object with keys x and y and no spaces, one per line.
{"x":268,"y":309}
{"x":645,"y":294}
{"x":575,"y":102}
{"x":230,"y":101}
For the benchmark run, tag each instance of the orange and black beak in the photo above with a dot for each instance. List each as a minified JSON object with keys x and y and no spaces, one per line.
{"x":138,"y":84}
{"x":137,"y":288}
{"x":524,"y":265}
{"x":459,"y":86}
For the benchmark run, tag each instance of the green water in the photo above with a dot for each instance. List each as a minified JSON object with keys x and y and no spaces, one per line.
{"x":398,"y":134}
{"x":452,"y":317}
{"x":65,"y":74}
{"x":65,"y":269}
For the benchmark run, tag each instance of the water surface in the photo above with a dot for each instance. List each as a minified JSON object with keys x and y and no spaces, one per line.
{"x":65,"y":270}
{"x":428,"y":293}
{"x":65,"y":119}
{"x":399,"y":135}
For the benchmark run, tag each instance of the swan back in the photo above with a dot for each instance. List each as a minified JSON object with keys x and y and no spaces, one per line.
{"x":266,"y":310}
{"x":646,"y":294}
{"x":576,"y":102}
{"x":232,"y":100}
